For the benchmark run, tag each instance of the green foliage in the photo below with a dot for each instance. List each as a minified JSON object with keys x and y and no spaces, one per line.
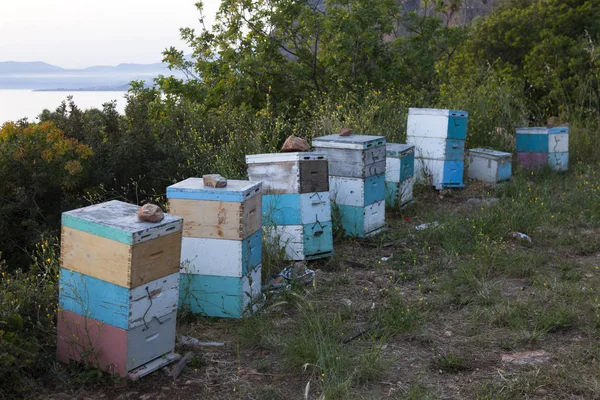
{"x":527,"y":61}
{"x":40,"y":168}
{"x":28,"y":307}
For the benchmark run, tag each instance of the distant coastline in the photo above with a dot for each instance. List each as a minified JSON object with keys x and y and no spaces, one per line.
{"x":43,"y":77}
{"x":120,"y":88}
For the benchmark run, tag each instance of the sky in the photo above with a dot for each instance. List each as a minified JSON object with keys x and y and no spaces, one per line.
{"x":82,"y":33}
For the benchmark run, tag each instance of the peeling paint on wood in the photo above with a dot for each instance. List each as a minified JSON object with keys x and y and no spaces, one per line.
{"x":221,"y":296}
{"x":218,"y":257}
{"x":116,"y":305}
{"x":109,"y":348}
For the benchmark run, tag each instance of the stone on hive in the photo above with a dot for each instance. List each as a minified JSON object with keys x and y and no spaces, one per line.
{"x":295,"y":143}
{"x":346,"y":132}
{"x":553,"y":122}
{"x":214,"y":180}
{"x":151,"y":213}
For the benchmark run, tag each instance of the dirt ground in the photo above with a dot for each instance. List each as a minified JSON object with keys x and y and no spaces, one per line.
{"x":519,"y":322}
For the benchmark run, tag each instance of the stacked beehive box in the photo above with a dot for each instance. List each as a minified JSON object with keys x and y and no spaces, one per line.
{"x":489,"y":165}
{"x":537,"y":147}
{"x":356,"y":180}
{"x":399,"y":173}
{"x":296,"y":207}
{"x":439,"y":139}
{"x":119,"y":286}
{"x":221,"y":252}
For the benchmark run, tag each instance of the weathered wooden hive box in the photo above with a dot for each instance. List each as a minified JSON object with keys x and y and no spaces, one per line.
{"x":399,"y":174}
{"x":489,"y":165}
{"x":221,"y":252}
{"x":118,"y":288}
{"x":356,"y":181}
{"x":439,"y":138}
{"x":296,"y":208}
{"x":540,"y":146}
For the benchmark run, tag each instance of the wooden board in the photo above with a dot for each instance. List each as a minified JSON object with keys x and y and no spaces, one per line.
{"x":119,"y":263}
{"x":558,"y":143}
{"x":362,"y":221}
{"x":314,"y":176}
{"x":116,"y":305}
{"x":302,"y":242}
{"x":296,"y":209}
{"x":219,"y":257}
{"x":439,"y":149}
{"x":356,"y":142}
{"x":276,"y":178}
{"x":399,"y":194}
{"x":109,"y":348}
{"x":488,"y":168}
{"x":194,"y":189}
{"x":218,"y":219}
{"x":91,"y":342}
{"x":532,"y":160}
{"x":439,"y":173}
{"x":284,"y":157}
{"x":221,"y":296}
{"x":153,"y":365}
{"x":433,"y":123}
{"x":118,"y":221}
{"x":356,"y":191}
{"x":559,"y":161}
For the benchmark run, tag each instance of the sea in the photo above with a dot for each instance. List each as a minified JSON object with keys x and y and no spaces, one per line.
{"x":16,"y":104}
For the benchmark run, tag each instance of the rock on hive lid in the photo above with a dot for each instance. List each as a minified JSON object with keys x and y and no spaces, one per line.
{"x":117,"y":220}
{"x":194,"y":189}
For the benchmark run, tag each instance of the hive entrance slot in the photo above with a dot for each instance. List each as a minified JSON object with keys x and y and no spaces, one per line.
{"x":157,"y":254}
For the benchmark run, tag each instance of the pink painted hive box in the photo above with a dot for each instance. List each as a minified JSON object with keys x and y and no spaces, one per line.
{"x":109,"y":348}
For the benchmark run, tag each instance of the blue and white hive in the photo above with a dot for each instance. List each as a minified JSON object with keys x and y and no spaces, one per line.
{"x":489,"y":165}
{"x":399,"y":174}
{"x":296,"y":208}
{"x":439,"y":138}
{"x":356,"y":181}
{"x":221,"y":252}
{"x":537,"y":147}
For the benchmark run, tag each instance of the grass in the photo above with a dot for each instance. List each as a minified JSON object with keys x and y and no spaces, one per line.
{"x":450,"y":299}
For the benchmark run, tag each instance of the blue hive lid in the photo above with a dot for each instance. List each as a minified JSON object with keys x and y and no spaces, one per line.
{"x":542,"y":130}
{"x":194,"y":189}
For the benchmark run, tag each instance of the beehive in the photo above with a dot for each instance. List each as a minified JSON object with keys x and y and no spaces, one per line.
{"x":357,"y":165}
{"x":537,"y":147}
{"x":399,"y":174}
{"x":118,"y":288}
{"x":489,"y":165}
{"x":439,"y":138}
{"x":221,"y":248}
{"x":296,"y":208}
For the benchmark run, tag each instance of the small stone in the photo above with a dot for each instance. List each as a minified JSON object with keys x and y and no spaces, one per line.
{"x":151,"y":213}
{"x":276,"y":281}
{"x":295,"y":143}
{"x":482,"y":202}
{"x":519,"y":236}
{"x":346,"y":302}
{"x":346,"y":132}
{"x":214,"y":180}
{"x":553,"y":122}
